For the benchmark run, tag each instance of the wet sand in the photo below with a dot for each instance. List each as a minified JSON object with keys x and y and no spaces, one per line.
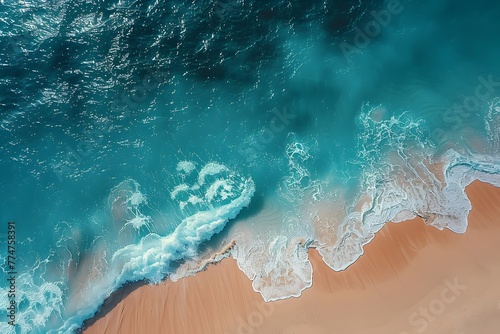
{"x":412,"y":278}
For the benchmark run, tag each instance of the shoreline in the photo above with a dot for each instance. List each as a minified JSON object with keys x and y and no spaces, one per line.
{"x":407,"y":263}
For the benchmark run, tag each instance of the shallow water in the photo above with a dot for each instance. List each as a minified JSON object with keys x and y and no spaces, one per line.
{"x":140,"y":138}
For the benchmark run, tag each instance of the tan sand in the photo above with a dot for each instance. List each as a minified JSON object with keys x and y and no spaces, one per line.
{"x":412,"y":279}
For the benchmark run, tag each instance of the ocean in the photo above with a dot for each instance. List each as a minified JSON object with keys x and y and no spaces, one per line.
{"x":142,"y":140}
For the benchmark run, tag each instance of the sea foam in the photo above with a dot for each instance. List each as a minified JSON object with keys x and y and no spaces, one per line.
{"x":403,"y":177}
{"x":155,"y":256}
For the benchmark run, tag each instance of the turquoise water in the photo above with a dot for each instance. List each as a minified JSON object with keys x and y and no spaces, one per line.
{"x":140,"y":138}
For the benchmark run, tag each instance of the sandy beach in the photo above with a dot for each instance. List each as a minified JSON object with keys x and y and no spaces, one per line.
{"x":412,"y":278}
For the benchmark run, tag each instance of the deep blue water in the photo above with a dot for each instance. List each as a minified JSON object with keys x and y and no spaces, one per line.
{"x":139,"y":137}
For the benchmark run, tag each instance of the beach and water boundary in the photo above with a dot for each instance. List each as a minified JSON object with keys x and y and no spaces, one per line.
{"x":145,"y":142}
{"x":400,"y":285}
